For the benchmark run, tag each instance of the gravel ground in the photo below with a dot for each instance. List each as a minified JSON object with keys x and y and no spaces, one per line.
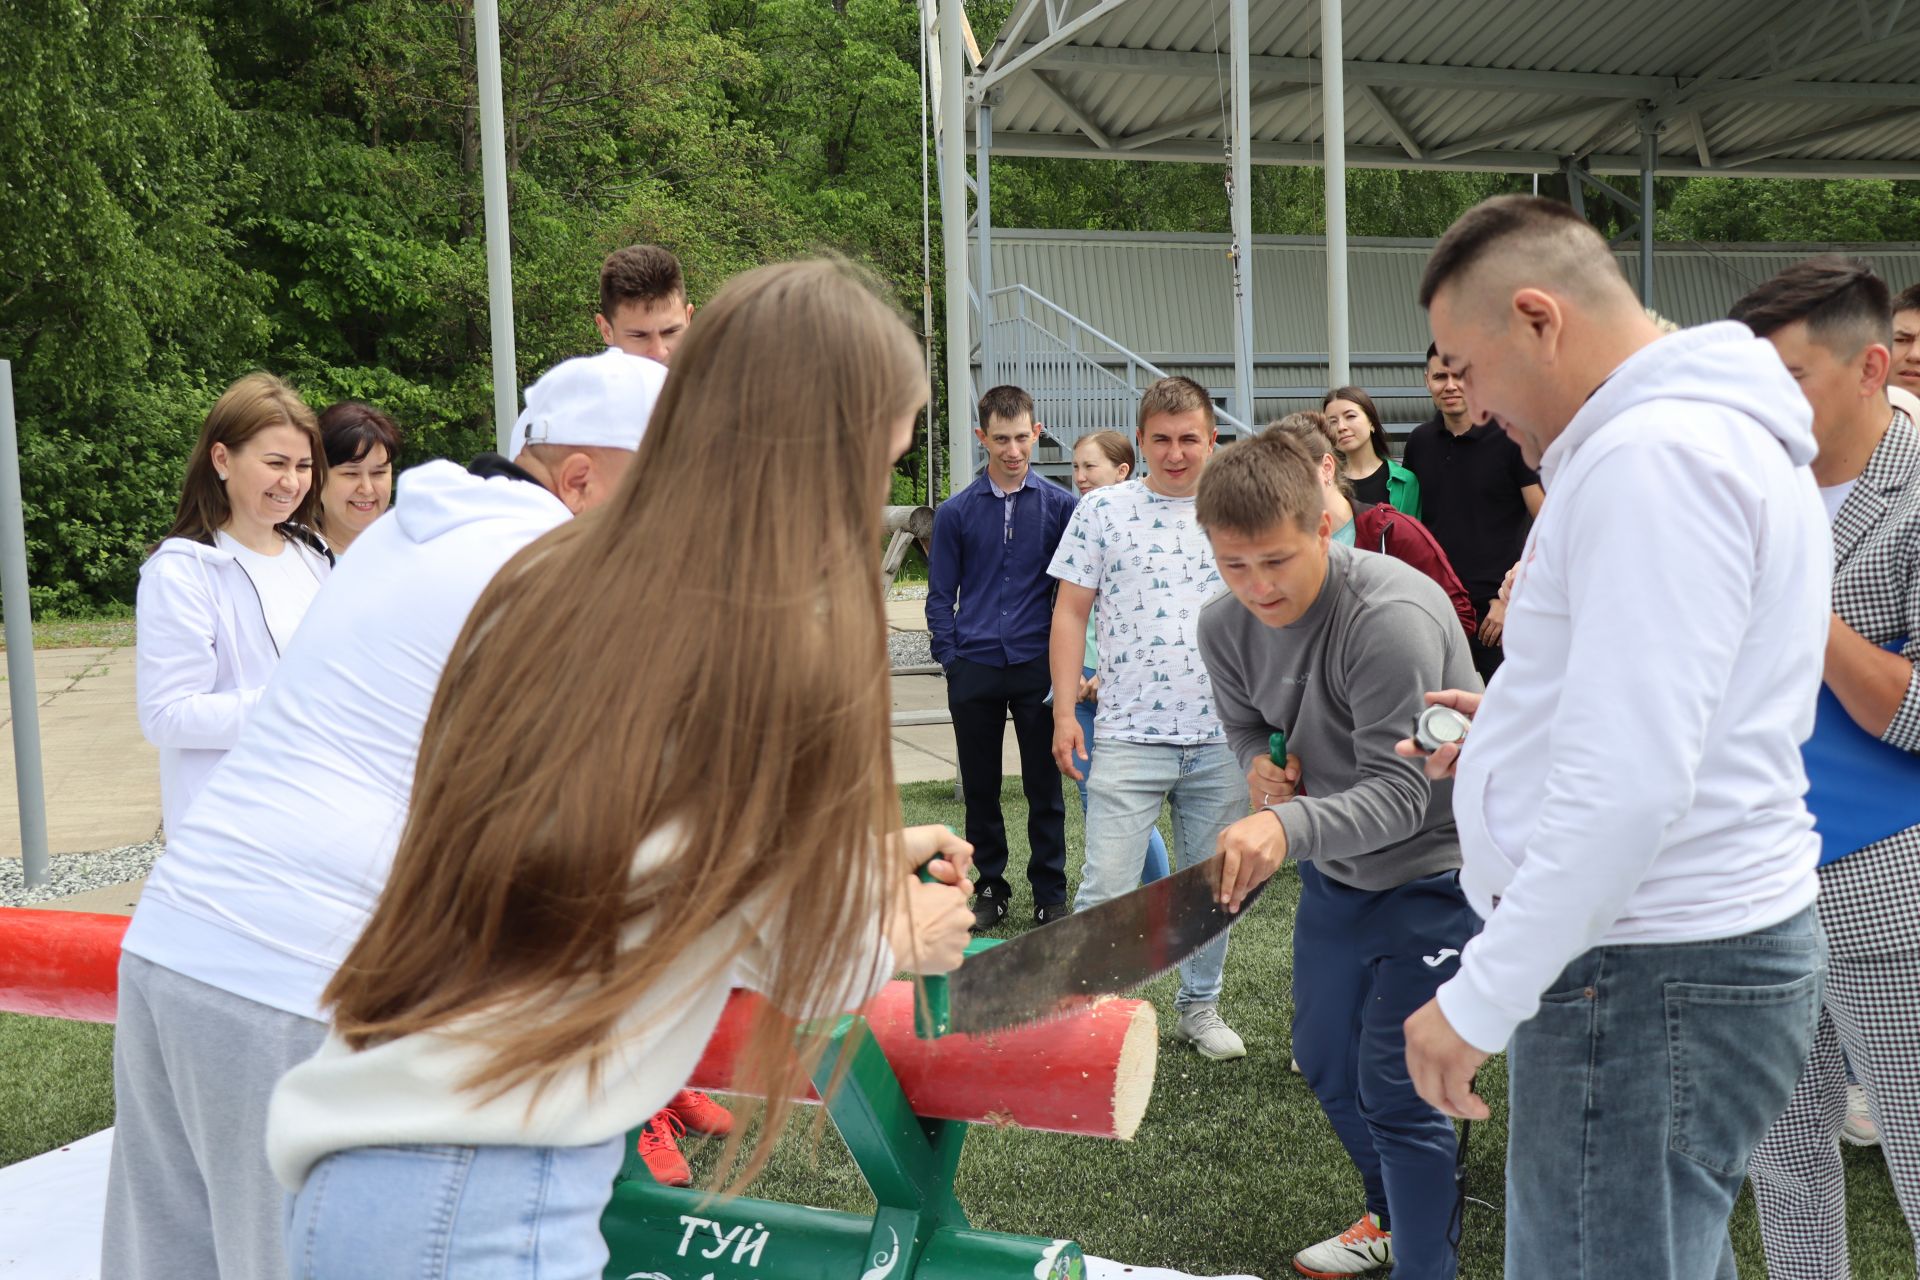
{"x":909,"y":649}
{"x":78,"y":872}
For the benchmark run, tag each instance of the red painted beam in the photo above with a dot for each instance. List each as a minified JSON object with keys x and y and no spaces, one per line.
{"x":60,"y":964}
{"x":1089,"y":1073}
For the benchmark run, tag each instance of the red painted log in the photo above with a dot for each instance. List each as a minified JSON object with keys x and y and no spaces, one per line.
{"x":1090,"y":1073}
{"x":60,"y":964}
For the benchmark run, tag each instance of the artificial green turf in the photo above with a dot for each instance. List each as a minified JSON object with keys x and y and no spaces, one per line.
{"x":1234,"y":1167}
{"x":56,"y":1083}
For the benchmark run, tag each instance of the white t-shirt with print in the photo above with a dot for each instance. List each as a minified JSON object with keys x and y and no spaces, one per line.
{"x":1151,"y":570}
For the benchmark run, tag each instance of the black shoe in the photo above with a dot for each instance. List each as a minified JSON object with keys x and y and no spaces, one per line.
{"x":1051,"y":912}
{"x":989,"y":907}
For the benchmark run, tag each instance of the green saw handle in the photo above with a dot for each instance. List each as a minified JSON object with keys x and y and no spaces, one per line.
{"x":932,"y":1010}
{"x":1277,"y":747}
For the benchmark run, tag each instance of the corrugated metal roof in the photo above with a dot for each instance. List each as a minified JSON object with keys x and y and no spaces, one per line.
{"x":1762,"y":77}
{"x":1167,"y":297}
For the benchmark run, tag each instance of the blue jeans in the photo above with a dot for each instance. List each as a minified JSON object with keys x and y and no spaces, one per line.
{"x":1363,"y":962}
{"x":1156,"y":864}
{"x":1207,"y":791}
{"x":1638,"y":1092}
{"x":441,"y":1212}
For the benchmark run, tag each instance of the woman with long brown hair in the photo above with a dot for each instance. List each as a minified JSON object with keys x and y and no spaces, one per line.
{"x":221,"y":595}
{"x":649,"y":775}
{"x":1355,"y":423}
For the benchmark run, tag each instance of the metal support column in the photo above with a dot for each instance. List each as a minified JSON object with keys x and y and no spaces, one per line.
{"x":953,"y":237}
{"x":493,"y":175}
{"x":1334,"y":107}
{"x":22,"y":697}
{"x":1649,"y":160}
{"x":983,"y":218}
{"x":1242,"y":211}
{"x":1576,"y":189}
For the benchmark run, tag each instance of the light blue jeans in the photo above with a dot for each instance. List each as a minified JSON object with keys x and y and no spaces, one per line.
{"x":1638,"y":1092}
{"x":454,"y":1213}
{"x":1155,"y":867}
{"x":1207,"y":791}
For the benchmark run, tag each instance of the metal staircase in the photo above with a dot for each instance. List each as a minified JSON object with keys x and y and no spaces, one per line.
{"x":1081,"y":380}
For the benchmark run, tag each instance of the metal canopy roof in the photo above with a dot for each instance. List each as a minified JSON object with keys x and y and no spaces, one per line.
{"x":1780,"y":88}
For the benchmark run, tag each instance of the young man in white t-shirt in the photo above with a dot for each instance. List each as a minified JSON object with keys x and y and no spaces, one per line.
{"x":1136,"y":550}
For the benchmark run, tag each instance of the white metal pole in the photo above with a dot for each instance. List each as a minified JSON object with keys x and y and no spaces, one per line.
{"x":1334,"y":107}
{"x":18,"y":608}
{"x":926,"y":247}
{"x":953,"y":235}
{"x":983,"y":219}
{"x":1242,"y":213}
{"x":493,"y":174}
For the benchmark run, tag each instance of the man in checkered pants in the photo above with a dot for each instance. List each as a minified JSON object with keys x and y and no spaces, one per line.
{"x":1830,"y":320}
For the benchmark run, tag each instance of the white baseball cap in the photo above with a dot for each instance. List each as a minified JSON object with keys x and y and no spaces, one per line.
{"x":599,"y":401}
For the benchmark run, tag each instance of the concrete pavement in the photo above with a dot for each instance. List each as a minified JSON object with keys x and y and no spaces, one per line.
{"x":102,"y":777}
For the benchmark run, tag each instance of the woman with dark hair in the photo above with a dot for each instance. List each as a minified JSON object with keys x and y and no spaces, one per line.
{"x":1376,"y":477}
{"x":221,"y":595}
{"x":361,"y":444}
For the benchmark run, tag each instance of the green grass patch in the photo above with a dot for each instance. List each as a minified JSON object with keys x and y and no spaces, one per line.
{"x":1233,"y":1170}
{"x":110,"y":632}
{"x":56,"y":1083}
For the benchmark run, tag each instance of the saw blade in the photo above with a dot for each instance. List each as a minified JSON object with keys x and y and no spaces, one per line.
{"x":1101,"y":951}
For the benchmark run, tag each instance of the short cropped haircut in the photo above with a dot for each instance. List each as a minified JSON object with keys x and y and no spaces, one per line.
{"x":1843,"y":300}
{"x":1176,"y":395}
{"x":1908,"y":299}
{"x":350,"y":430}
{"x":1316,"y":437}
{"x":1496,"y":221}
{"x":1253,"y":484}
{"x":1433,"y":349}
{"x":1117,"y":448}
{"x":643,"y":273}
{"x":1007,"y":403}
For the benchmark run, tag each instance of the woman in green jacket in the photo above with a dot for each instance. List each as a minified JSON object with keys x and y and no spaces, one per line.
{"x":1375,"y":476}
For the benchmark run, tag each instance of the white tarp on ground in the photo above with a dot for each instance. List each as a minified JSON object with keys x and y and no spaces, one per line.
{"x":51,"y":1208}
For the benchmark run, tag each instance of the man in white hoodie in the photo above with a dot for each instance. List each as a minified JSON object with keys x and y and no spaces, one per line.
{"x":270,"y":877}
{"x":1629,"y":799}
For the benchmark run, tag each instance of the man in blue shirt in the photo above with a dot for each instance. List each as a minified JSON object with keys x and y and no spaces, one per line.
{"x":989,"y":609}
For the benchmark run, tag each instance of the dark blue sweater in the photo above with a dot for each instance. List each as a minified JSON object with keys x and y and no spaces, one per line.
{"x":989,"y":599}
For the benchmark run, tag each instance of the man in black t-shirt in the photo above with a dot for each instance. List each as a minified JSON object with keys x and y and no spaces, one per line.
{"x":1478,"y":497}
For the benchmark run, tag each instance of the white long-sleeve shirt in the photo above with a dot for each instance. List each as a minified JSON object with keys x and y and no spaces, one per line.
{"x":1634,"y":773}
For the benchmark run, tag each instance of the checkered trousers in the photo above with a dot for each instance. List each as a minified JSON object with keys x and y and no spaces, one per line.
{"x":1869,"y":903}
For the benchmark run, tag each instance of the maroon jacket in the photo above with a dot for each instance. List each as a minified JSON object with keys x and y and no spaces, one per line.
{"x":1395,"y":533}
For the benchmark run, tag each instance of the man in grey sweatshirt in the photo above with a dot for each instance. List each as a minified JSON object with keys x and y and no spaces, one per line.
{"x":1336,"y":647}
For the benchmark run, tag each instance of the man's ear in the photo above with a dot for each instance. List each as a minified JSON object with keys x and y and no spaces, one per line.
{"x":1876,"y":362}
{"x":573,"y":482}
{"x":601,"y":323}
{"x":1540,"y":319}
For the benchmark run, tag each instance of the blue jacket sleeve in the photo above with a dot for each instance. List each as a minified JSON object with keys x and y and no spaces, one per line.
{"x":943,"y":584}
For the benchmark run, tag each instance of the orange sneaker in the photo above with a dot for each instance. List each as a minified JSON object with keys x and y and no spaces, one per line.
{"x":701,"y":1114}
{"x":659,"y":1150}
{"x":1361,"y":1248}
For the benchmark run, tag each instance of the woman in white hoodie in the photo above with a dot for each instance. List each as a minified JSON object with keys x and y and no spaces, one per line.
{"x":221,"y":595}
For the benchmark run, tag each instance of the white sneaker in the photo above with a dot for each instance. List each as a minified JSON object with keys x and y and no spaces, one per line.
{"x":1859,"y":1128}
{"x":1361,"y":1248}
{"x":1204,"y":1028}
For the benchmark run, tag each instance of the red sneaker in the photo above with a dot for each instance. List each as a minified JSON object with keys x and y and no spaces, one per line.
{"x":660,"y":1151}
{"x":701,"y":1114}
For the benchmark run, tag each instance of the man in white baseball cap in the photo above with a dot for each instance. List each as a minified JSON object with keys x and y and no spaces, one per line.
{"x":272,"y":873}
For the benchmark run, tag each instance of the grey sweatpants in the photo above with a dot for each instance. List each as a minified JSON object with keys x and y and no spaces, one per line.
{"x":189,"y":1193}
